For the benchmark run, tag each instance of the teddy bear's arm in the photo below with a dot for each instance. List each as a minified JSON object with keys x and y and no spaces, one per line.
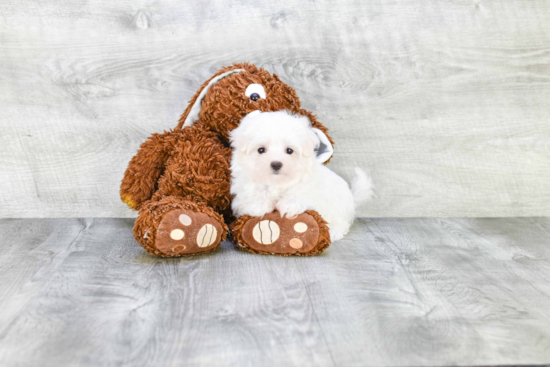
{"x":140,"y":179}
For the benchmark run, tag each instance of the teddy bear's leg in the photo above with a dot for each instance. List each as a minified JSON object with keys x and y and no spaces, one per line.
{"x":176,"y":226}
{"x":303,"y":235}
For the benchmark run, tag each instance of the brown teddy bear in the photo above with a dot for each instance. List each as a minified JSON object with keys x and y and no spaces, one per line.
{"x":180,"y":180}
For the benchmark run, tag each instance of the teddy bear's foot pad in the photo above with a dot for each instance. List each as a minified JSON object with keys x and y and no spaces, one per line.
{"x":285,"y":236}
{"x":185,"y":232}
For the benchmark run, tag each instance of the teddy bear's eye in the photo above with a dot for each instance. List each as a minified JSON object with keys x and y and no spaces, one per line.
{"x":261,"y":150}
{"x":255,"y":92}
{"x":289,"y":151}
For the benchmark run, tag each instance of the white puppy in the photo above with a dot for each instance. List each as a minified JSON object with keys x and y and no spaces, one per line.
{"x":274,"y":166}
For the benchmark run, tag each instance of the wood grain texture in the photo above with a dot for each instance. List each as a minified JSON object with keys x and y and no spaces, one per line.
{"x":444,"y":102}
{"x":395,"y":292}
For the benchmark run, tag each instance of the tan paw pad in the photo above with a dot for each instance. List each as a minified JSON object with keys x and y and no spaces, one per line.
{"x":295,"y":243}
{"x":207,"y":235}
{"x":179,"y":248}
{"x":185,"y":219}
{"x":300,"y":227}
{"x":177,"y":234}
{"x":266,"y":232}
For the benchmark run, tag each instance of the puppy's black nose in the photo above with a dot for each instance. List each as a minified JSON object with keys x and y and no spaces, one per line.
{"x":276,"y":165}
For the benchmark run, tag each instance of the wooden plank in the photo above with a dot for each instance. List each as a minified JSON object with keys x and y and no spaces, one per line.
{"x":395,"y":292}
{"x":31,"y":252}
{"x":474,"y":298}
{"x":112,"y":304}
{"x":444,"y":103}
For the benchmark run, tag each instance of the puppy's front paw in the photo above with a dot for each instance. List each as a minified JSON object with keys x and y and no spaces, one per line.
{"x":291,"y":207}
{"x":259,"y":209}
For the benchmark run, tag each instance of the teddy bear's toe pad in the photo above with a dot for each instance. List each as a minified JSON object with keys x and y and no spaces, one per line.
{"x":183,"y":232}
{"x":287,"y":236}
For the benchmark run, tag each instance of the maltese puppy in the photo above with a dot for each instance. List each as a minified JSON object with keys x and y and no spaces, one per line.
{"x":274,"y":166}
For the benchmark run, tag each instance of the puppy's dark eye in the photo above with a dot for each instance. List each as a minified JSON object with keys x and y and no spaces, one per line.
{"x":289,"y":151}
{"x":261,"y":150}
{"x":254,"y":96}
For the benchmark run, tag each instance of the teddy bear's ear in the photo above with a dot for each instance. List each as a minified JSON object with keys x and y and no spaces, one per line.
{"x":192,"y":111}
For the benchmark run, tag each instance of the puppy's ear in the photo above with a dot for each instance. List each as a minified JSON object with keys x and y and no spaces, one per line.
{"x":309,"y":143}
{"x":239,"y":140}
{"x":246,"y":147}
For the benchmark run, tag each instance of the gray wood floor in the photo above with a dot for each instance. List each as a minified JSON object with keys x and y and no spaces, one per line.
{"x":397,"y":292}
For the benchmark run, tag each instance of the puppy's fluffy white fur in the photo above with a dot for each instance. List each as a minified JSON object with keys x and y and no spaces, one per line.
{"x":301,"y":183}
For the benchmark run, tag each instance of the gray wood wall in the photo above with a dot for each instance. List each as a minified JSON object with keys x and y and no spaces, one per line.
{"x":446,"y":103}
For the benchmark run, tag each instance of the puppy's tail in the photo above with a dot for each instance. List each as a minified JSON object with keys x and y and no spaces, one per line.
{"x":362,"y":187}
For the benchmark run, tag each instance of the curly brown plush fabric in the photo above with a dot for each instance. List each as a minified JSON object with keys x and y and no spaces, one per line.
{"x":189,"y":167}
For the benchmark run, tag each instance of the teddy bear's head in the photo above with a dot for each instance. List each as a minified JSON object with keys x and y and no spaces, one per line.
{"x":235,"y":91}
